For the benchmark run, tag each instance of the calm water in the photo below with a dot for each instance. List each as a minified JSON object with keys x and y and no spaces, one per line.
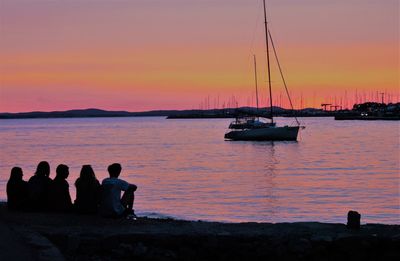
{"x":185,"y":169}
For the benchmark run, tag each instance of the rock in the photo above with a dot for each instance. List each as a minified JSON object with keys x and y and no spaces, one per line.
{"x":44,"y":248}
{"x":341,"y":236}
{"x":186,"y":253}
{"x":118,"y":252}
{"x":300,"y":246}
{"x":126,"y":247}
{"x":353,"y":220}
{"x":139,"y":249}
{"x":73,"y":243}
{"x":156,"y":253}
{"x":321,"y":238}
{"x":223,"y":233}
{"x":396,"y":237}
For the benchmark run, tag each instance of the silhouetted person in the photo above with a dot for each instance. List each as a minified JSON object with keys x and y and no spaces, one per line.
{"x":17,"y":190}
{"x":38,"y":187}
{"x":112,"y":204}
{"x":87,"y":191}
{"x":59,"y":197}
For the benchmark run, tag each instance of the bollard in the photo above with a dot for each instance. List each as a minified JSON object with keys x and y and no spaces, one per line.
{"x":353,"y":220}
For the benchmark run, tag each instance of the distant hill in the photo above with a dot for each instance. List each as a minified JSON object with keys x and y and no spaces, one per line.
{"x":387,"y":109}
{"x":65,"y":114}
{"x":212,"y":113}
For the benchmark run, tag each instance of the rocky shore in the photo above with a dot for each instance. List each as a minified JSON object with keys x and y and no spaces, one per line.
{"x":49,"y":236}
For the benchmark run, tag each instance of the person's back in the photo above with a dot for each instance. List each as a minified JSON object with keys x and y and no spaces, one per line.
{"x":17,"y":190}
{"x":87,"y":191}
{"x":112,"y":204}
{"x":111,"y":196}
{"x":38,"y":187}
{"x":59,"y":197}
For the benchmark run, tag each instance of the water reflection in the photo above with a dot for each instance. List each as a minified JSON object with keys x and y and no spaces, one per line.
{"x":270,"y":165}
{"x":184,"y":168}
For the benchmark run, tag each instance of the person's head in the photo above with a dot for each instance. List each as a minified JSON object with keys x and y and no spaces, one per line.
{"x":87,"y":173}
{"x":16,"y":173}
{"x":43,"y":169}
{"x":114,"y":170}
{"x":62,"y":171}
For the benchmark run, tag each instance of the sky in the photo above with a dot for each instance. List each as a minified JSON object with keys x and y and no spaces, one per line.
{"x":143,"y":55}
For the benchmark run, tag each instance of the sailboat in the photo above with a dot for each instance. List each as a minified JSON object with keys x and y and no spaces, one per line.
{"x":266,"y":131}
{"x":246,"y":119}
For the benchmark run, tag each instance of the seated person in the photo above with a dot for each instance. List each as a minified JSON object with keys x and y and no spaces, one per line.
{"x":59,"y":197}
{"x":17,"y":190}
{"x":38,"y":187}
{"x":87,"y":191}
{"x":112,"y":204}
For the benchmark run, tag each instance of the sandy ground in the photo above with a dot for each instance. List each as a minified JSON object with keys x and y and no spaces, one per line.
{"x":49,"y":236}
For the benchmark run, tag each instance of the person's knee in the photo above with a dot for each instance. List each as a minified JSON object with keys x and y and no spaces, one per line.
{"x":129,"y":193}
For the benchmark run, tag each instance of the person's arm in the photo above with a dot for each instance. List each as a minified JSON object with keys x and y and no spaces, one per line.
{"x":132,"y":187}
{"x":68,"y":196}
{"x":125,"y":186}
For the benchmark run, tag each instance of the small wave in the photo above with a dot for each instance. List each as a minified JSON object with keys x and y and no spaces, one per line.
{"x":155,"y":215}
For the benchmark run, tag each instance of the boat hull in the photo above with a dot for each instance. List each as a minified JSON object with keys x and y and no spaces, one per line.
{"x":265,"y":134}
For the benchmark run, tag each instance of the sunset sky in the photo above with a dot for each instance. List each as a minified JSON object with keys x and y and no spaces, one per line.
{"x":181,"y":54}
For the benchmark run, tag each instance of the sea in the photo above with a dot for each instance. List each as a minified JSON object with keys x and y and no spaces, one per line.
{"x":185,"y":169}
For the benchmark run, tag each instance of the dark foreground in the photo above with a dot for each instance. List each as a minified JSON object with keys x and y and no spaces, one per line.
{"x":55,"y":237}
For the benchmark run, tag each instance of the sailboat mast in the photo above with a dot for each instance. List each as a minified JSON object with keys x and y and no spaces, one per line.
{"x":255,"y":78}
{"x":268,"y":65}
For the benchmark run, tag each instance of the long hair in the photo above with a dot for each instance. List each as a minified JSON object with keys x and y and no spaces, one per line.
{"x":43,"y":169}
{"x":16,"y":174}
{"x":86,"y":176}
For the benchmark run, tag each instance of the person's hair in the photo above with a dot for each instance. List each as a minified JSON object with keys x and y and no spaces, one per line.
{"x":86,"y":176}
{"x":62,"y":171}
{"x":87,"y":173}
{"x":16,"y":174}
{"x":114,"y":170}
{"x":43,"y":169}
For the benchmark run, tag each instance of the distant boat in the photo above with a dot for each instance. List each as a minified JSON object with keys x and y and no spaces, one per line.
{"x":343,"y":117}
{"x":251,"y":128}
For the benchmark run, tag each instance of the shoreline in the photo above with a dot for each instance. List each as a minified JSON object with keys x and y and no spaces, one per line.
{"x":225,"y":113}
{"x":52,"y":236}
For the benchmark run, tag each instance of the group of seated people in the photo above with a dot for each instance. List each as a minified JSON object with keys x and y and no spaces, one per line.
{"x":41,"y":193}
